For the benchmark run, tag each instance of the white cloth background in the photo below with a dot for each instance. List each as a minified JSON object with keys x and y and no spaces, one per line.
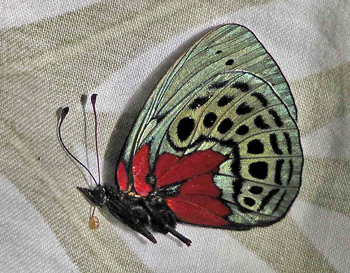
{"x":54,"y":51}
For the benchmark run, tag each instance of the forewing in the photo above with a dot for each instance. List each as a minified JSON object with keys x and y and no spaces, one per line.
{"x":227,"y":48}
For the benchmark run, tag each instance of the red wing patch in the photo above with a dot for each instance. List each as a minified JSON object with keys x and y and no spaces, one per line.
{"x":199,"y":210}
{"x":122,"y":176}
{"x":202,"y":185}
{"x":165,"y":163}
{"x":140,"y":169}
{"x":197,"y":202}
{"x":187,"y":167}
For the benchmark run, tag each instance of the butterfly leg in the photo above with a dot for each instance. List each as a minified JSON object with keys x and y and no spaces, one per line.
{"x":147,"y":234}
{"x":134,"y":217}
{"x":162,"y":218}
{"x":178,"y":235}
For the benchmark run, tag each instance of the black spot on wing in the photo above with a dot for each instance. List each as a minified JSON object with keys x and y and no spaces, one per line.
{"x":276,"y":118}
{"x":209,"y":119}
{"x":256,"y":190}
{"x":261,"y":98}
{"x":274,"y":144}
{"x":258,"y":169}
{"x":260,"y":123}
{"x":224,"y":100}
{"x":289,"y":142}
{"x":236,"y":163}
{"x":244,"y":109}
{"x":218,"y":52}
{"x":217,"y":85}
{"x":225,"y":126}
{"x":249,"y":201}
{"x":267,"y":199}
{"x":255,"y":147}
{"x":279,"y":165}
{"x":185,"y":128}
{"x":244,"y":87}
{"x":242,"y":130}
{"x":291,"y":169}
{"x":198,"y":102}
{"x":229,"y":62}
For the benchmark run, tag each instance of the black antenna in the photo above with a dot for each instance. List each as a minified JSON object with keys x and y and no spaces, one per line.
{"x":63,"y":115}
{"x":93,"y":102}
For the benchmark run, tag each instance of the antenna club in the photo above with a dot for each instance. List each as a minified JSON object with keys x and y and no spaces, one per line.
{"x":93,"y":98}
{"x":64,"y":112}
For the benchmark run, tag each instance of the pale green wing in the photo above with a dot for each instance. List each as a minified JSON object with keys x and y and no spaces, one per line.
{"x":228,"y":95}
{"x":228,"y":48}
{"x":263,"y":175}
{"x":239,"y":115}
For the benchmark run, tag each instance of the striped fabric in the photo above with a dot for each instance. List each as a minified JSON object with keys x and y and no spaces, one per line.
{"x":52,"y":52}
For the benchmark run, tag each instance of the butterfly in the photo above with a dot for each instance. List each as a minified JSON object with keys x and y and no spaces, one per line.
{"x":216,"y":144}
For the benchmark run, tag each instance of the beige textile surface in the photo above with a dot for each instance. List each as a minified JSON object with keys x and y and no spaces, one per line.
{"x":53,"y":51}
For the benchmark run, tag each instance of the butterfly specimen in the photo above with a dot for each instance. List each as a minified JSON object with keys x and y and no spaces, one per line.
{"x":216,"y":144}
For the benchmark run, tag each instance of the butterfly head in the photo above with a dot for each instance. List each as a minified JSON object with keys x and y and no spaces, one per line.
{"x":97,"y":196}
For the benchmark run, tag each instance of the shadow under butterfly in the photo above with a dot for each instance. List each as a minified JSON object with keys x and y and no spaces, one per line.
{"x":215,"y":145}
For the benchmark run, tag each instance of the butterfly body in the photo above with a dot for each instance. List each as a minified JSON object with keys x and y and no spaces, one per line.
{"x":138,"y":212}
{"x":215,"y":145}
